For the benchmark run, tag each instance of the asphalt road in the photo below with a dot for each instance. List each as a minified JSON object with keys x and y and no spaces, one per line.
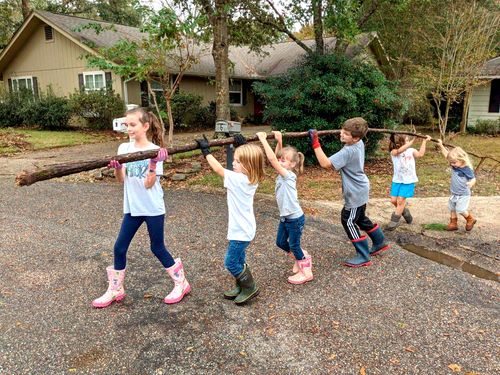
{"x":403,"y":315}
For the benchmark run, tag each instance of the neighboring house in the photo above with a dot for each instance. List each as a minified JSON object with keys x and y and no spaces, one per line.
{"x":45,"y":51}
{"x":485,"y":99}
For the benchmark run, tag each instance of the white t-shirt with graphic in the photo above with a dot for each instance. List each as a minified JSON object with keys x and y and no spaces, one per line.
{"x":241,"y":219}
{"x":404,"y":167}
{"x":137,"y":200}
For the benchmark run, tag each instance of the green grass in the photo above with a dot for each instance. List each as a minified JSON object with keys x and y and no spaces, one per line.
{"x":16,"y":140}
{"x":434,"y":226}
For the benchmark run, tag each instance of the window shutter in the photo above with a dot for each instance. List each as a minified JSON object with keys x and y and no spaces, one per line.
{"x":144,"y":94}
{"x":81,"y":84}
{"x":109,"y":82}
{"x":10,"y":84}
{"x":244,"y":90}
{"x":494,"y":105}
{"x":49,"y":35}
{"x":35,"y":87}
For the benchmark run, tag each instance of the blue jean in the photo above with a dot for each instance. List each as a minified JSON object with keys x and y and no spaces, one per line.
{"x":130,"y":225}
{"x":289,"y":234}
{"x":235,"y":256}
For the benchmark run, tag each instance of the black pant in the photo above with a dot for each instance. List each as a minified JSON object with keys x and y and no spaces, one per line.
{"x":353,"y":219}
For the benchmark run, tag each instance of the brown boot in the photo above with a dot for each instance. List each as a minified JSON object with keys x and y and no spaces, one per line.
{"x":470,"y":222}
{"x":453,"y":224}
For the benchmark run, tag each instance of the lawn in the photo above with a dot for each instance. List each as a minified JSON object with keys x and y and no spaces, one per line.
{"x":432,"y":170}
{"x":17,"y":140}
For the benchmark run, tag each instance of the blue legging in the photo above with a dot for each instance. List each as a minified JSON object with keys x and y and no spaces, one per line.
{"x":130,"y":225}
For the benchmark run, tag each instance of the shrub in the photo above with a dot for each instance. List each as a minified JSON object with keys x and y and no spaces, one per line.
{"x":323,"y":92}
{"x":23,"y":109}
{"x":99,"y":108}
{"x":49,"y":112}
{"x":490,"y":127}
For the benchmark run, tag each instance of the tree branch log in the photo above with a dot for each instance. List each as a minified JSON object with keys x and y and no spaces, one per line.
{"x":28,"y":177}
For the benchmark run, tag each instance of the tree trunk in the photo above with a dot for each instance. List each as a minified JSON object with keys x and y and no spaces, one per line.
{"x":220,"y":53}
{"x":25,"y":8}
{"x":465,"y":114}
{"x":28,"y":177}
{"x":168,"y":101}
{"x":318,"y":26}
{"x":442,"y":128}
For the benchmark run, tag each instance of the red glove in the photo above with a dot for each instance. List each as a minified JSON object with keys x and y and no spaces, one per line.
{"x":313,"y":135}
{"x":115,"y":164}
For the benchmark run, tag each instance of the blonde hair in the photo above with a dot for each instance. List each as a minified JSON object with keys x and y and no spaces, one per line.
{"x":295,"y":157}
{"x":155,"y":131}
{"x":357,"y":126}
{"x":458,"y":154}
{"x":251,"y":158}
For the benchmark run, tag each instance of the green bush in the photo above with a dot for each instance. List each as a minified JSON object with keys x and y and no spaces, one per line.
{"x":99,"y":108}
{"x":489,"y":127}
{"x":23,"y":109}
{"x":323,"y":92}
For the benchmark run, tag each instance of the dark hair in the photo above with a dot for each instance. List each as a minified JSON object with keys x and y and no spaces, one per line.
{"x":396,"y":141}
{"x":155,"y":131}
{"x":357,"y":126}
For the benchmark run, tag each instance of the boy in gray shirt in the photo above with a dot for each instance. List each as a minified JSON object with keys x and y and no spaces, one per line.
{"x":350,"y":162}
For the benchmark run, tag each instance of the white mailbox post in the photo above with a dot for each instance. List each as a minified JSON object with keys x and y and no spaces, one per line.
{"x":228,"y":128}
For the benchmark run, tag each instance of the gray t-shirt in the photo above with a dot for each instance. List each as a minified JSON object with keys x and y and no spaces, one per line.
{"x":459,"y":179}
{"x":286,"y":196}
{"x":350,"y":161}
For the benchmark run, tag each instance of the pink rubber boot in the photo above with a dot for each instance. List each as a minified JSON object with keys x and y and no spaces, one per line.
{"x":182,"y":287}
{"x":305,"y":273}
{"x":295,"y":262}
{"x":115,"y":291}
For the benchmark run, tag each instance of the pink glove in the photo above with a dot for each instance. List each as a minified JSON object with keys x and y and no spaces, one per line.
{"x":162,"y":155}
{"x":115,"y":164}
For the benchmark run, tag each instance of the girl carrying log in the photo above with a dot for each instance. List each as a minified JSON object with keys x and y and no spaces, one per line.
{"x":286,"y":162}
{"x":241,"y":184}
{"x":405,"y":175}
{"x":142,"y":202}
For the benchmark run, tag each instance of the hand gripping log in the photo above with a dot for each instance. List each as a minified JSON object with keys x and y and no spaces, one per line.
{"x":28,"y":177}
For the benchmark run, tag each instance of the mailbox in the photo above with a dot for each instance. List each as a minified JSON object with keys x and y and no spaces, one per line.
{"x":119,"y":125}
{"x":227,"y":127}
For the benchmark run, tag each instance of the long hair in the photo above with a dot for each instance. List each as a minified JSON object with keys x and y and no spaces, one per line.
{"x":458,"y":154}
{"x":155,"y":132}
{"x":295,"y":157}
{"x":396,"y":141}
{"x":252,"y":160}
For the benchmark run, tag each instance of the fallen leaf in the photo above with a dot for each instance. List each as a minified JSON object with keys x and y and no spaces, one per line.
{"x":332,"y":356}
{"x":148,"y":295}
{"x":394,"y":361}
{"x":455,"y":311}
{"x":243,"y":354}
{"x":454,"y":367}
{"x":410,"y":349}
{"x":362,"y":371}
{"x":471,"y":373}
{"x":189,"y":348}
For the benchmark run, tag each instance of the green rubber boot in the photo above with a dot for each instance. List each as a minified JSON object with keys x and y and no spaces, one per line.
{"x":233,"y":293}
{"x":249,"y":288}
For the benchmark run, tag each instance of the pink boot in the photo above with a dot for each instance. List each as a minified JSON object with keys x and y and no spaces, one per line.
{"x":296,"y":264}
{"x":115,"y":291}
{"x":181,"y":287}
{"x":305,"y":273}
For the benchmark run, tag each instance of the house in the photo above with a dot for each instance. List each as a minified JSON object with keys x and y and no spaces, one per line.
{"x":46,"y":51}
{"x":484,"y":102}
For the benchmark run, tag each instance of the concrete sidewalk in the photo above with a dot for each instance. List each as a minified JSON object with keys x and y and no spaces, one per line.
{"x":403,"y":315}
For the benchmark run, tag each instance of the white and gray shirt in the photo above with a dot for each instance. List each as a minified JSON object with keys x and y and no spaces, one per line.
{"x":350,"y":161}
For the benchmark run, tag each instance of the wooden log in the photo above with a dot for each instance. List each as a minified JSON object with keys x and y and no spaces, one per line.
{"x":28,"y":177}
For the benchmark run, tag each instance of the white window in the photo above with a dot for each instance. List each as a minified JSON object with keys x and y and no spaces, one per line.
{"x":94,"y":81}
{"x":22,"y":83}
{"x":235,"y":92}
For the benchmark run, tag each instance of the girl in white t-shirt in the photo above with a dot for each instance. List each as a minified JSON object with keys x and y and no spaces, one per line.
{"x":241,"y":184}
{"x":405,"y":176}
{"x":142,"y":202}
{"x":286,"y":161}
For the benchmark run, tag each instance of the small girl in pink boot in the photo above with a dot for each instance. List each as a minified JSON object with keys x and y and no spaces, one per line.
{"x":142,"y":202}
{"x":286,"y":161}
